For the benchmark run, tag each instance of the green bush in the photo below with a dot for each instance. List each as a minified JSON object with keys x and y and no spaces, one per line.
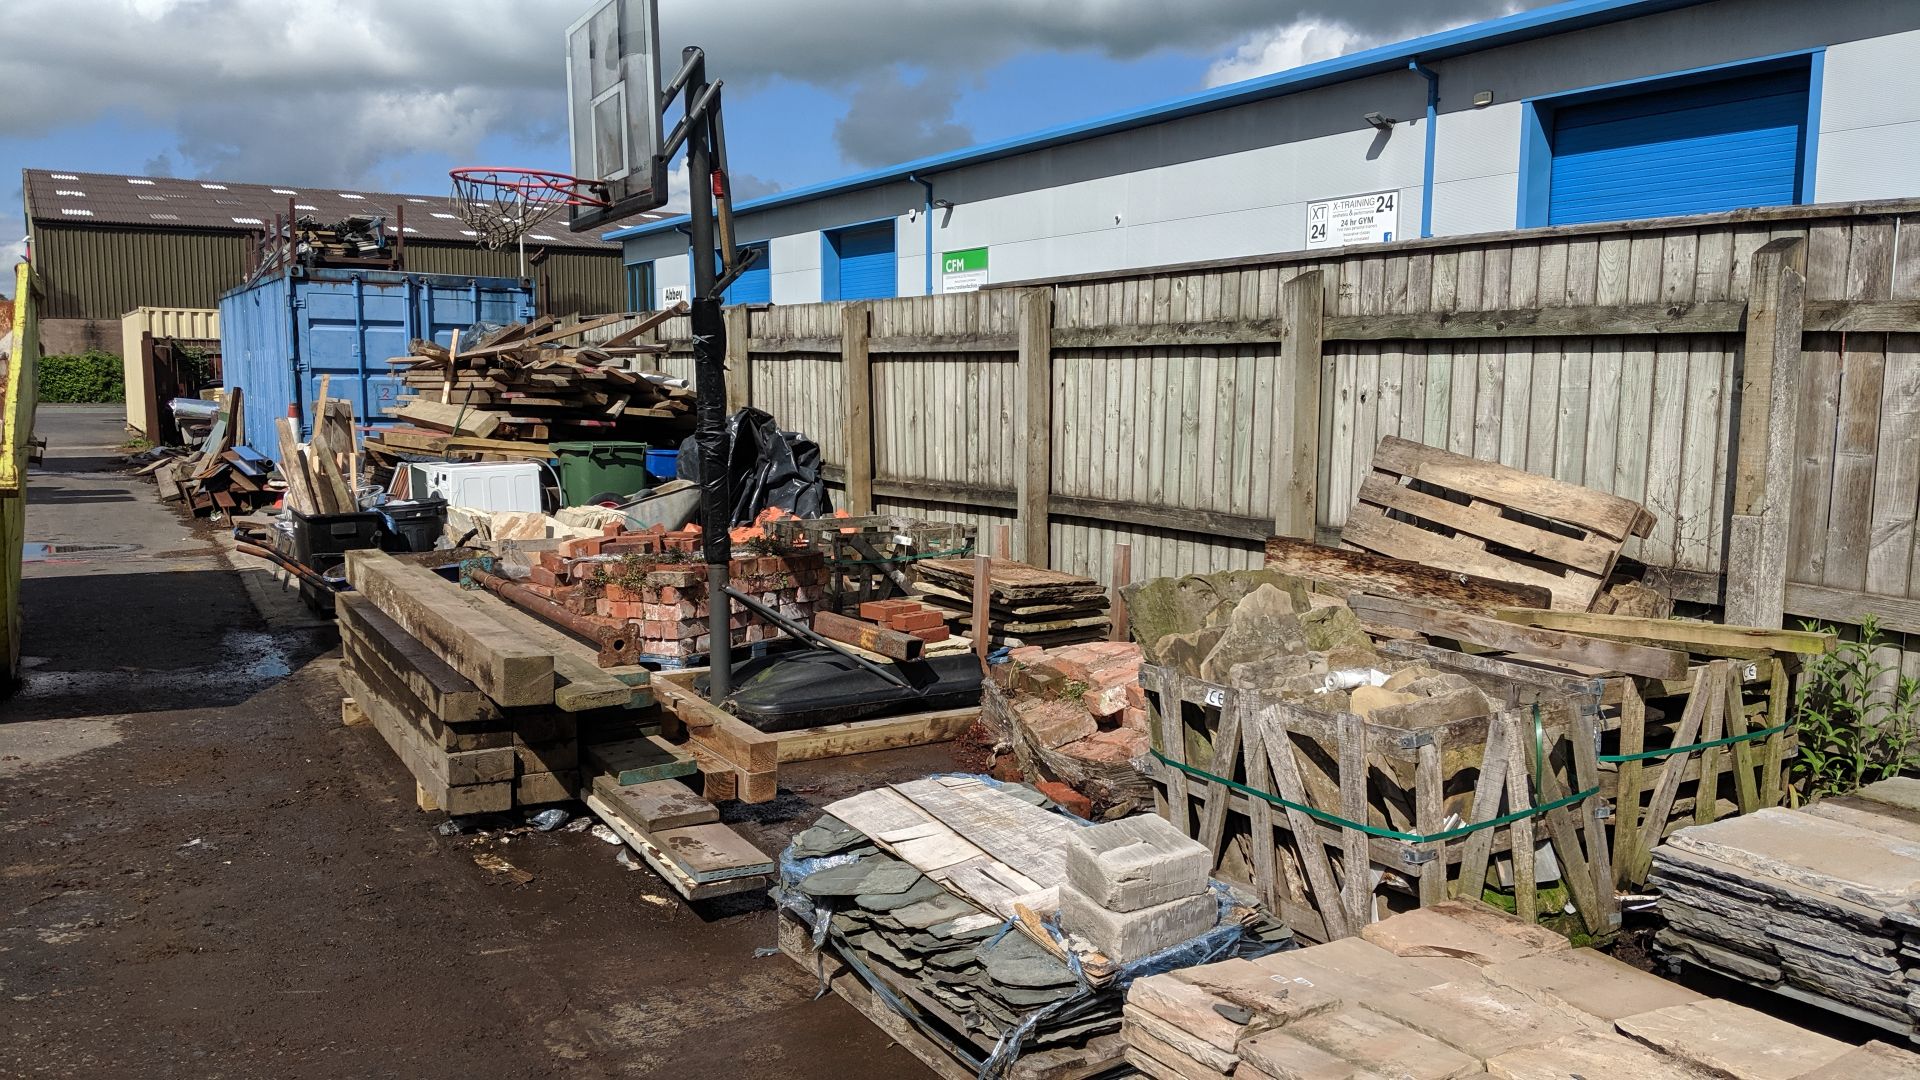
{"x":90,"y":377}
{"x":1858,"y":720}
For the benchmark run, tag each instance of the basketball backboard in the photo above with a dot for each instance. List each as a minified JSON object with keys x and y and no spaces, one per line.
{"x":613,"y":108}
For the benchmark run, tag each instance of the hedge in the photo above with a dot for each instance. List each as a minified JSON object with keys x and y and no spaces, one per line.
{"x":89,"y":377}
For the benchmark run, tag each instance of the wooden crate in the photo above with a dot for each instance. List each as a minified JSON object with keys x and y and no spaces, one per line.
{"x":1719,"y":696}
{"x":1319,"y":874}
{"x":870,"y":558}
{"x":739,"y":761}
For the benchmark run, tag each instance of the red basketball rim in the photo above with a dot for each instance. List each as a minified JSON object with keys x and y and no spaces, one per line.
{"x":534,"y":185}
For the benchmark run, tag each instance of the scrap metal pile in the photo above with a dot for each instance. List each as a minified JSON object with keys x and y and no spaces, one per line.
{"x":513,"y":388}
{"x":360,"y":240}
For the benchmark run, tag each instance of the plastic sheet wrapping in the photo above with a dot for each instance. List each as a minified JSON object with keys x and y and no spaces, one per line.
{"x":1227,"y":939}
{"x":765,"y":467}
{"x":704,"y":456}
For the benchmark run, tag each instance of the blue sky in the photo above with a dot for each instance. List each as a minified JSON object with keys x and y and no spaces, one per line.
{"x":388,"y":96}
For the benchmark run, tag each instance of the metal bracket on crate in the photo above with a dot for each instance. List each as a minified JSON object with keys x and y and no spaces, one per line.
{"x":1413,"y":740}
{"x":1417,"y":856}
{"x":484,"y":564}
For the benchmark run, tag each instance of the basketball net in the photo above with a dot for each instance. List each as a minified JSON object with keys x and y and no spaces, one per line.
{"x":503,"y":205}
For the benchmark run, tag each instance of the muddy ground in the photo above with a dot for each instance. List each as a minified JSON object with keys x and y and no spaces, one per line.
{"x":203,"y":874}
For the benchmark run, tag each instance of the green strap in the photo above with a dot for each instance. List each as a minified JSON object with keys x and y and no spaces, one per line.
{"x":1388,"y":834}
{"x":1645,"y":754}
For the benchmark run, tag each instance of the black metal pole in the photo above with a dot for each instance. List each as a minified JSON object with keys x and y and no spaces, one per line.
{"x":710,"y":386}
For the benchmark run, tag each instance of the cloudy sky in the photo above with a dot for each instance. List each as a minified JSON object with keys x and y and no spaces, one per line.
{"x":389,"y":94}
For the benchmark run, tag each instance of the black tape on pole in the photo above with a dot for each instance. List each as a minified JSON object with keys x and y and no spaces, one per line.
{"x":710,"y":384}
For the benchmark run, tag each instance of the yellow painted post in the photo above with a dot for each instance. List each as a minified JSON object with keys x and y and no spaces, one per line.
{"x":17,"y":400}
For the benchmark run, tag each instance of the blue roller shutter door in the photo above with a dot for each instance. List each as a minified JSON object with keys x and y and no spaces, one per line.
{"x":867,"y":267}
{"x":1682,"y":150}
{"x":755,"y":286}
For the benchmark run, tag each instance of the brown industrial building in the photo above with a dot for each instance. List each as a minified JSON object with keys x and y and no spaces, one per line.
{"x":105,"y":244}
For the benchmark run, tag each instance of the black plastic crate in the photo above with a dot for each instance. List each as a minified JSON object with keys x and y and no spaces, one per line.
{"x":321,"y":542}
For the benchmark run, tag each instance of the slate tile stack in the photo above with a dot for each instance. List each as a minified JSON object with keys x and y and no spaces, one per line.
{"x":1817,"y":903}
{"x":1027,"y":605}
{"x":1459,"y":989}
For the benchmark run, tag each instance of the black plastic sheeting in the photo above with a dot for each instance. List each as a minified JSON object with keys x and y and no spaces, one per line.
{"x":800,"y":688}
{"x":765,"y":467}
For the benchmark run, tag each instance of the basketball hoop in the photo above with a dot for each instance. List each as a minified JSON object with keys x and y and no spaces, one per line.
{"x":503,"y":205}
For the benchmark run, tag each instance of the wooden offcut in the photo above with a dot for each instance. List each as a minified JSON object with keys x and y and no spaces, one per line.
{"x":872,"y":637}
{"x":1363,"y":571}
{"x":1605,"y":655}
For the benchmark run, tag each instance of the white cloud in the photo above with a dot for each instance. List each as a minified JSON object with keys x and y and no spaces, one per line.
{"x":1306,"y":41}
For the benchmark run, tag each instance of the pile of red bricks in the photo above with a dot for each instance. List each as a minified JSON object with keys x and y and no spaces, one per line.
{"x":1083,"y":700}
{"x":666,"y":604}
{"x":924,"y":621}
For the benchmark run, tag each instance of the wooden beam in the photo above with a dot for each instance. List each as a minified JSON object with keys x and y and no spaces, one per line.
{"x":1479,"y":630}
{"x":1711,"y":317}
{"x":739,"y":362}
{"x":1764,"y":439}
{"x":1844,"y":606}
{"x":856,"y":323}
{"x":1121,"y":577}
{"x":946,"y":343}
{"x":1363,"y":571}
{"x":1033,"y":425}
{"x":455,"y":419}
{"x":872,"y":637}
{"x":866,"y":736}
{"x":1296,"y":422}
{"x":1673,"y":631}
{"x":508,"y":668}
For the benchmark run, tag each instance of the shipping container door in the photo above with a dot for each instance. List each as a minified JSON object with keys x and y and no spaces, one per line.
{"x":348,"y":329}
{"x":256,"y":356}
{"x":865,"y":262}
{"x":1688,"y":149}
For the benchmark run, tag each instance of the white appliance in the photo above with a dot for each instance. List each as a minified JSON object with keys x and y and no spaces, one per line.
{"x":485,"y":485}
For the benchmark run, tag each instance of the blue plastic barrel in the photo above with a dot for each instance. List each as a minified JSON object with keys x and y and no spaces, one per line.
{"x":663,"y":464}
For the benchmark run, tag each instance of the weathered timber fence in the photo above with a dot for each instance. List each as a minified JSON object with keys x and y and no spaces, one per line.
{"x":1753,"y":378}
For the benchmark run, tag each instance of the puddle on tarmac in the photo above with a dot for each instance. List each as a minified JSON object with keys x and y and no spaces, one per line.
{"x":41,"y":551}
{"x":242,"y":657}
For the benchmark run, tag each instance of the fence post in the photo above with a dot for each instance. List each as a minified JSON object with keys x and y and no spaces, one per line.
{"x":855,"y":325}
{"x":1764,"y":441}
{"x":1033,"y":424}
{"x":739,"y":358}
{"x":1296,"y":404}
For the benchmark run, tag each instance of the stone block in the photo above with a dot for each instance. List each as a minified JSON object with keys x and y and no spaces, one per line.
{"x":1732,"y":1040}
{"x":1592,"y":1054}
{"x":1463,"y":927}
{"x":1377,"y":1045}
{"x":1124,"y":937}
{"x":1136,"y":863}
{"x":1592,"y":982}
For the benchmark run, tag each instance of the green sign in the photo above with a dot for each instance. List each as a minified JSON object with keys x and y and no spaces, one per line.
{"x":963,"y":271}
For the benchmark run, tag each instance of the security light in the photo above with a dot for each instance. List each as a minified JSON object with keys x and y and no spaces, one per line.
{"x":1384,"y":123}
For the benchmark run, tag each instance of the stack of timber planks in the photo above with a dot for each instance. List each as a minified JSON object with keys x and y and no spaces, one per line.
{"x":1027,"y":605}
{"x":321,"y":475}
{"x":1461,"y":989}
{"x":674,"y":830}
{"x":484,"y":705}
{"x":513,"y":389}
{"x":1816,"y":904}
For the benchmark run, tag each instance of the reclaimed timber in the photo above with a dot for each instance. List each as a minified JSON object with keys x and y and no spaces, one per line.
{"x":1462,"y":626}
{"x":376,"y":670}
{"x":659,"y":804}
{"x":454,"y":419}
{"x":892,"y":644}
{"x":448,"y":694}
{"x":419,"y":758}
{"x":1293,"y":480}
{"x":1709,"y":636}
{"x":856,"y":322}
{"x":683,"y":883}
{"x":1848,"y":606}
{"x":580,"y":684}
{"x":504,"y":664}
{"x":1363,"y":571}
{"x":640,"y":761}
{"x":867,"y":736}
{"x":738,"y":359}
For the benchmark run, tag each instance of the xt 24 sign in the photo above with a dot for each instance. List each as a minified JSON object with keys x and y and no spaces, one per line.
{"x":1353,"y":219}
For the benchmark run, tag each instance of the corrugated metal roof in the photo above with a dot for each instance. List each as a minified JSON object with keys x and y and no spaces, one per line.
{"x":166,"y":203}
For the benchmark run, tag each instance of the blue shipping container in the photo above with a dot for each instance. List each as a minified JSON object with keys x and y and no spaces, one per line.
{"x":279,"y":336}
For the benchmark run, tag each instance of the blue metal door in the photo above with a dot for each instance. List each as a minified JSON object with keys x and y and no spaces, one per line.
{"x":755,"y":286}
{"x":867,"y":267}
{"x":1691,"y":149}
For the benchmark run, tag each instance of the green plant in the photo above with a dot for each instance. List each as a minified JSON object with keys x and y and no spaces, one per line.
{"x":91,"y":377}
{"x":1856,"y":725}
{"x":1073,"y":690}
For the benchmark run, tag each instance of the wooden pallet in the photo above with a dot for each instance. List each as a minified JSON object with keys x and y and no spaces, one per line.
{"x":870,"y":558}
{"x":1344,"y":764}
{"x":1452,"y":512}
{"x":741,"y":762}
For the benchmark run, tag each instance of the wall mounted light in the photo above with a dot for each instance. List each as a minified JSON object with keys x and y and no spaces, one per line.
{"x":1482,"y":98}
{"x":1377,"y":120}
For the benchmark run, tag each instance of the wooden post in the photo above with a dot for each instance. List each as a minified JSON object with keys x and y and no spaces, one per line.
{"x":857,"y":369}
{"x":1033,"y":424}
{"x":1003,"y":541}
{"x":982,"y":607}
{"x":1296,"y":419}
{"x":1122,"y":576}
{"x":1769,"y":405}
{"x":738,"y":320}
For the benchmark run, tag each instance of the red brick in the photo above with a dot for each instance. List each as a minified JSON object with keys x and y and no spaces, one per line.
{"x":1070,"y":800}
{"x":932,"y":634}
{"x":610,"y":529}
{"x":540,"y":575}
{"x":915,"y":620}
{"x":1055,"y":723}
{"x":552,"y":561}
{"x":1136,"y":697}
{"x":1006,"y":769}
{"x":879,"y":610}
